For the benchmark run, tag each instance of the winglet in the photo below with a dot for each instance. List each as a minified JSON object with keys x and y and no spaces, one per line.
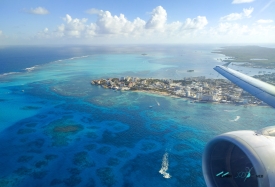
{"x":227,"y":64}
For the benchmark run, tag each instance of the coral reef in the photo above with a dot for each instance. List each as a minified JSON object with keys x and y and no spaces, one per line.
{"x":106,"y":176}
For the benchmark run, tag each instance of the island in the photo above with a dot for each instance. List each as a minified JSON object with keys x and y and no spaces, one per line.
{"x":250,"y":56}
{"x":197,"y":89}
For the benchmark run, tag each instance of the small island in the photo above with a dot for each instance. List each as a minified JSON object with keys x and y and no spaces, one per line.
{"x":249,"y":56}
{"x":197,"y":89}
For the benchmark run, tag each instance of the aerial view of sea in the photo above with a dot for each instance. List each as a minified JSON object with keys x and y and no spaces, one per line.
{"x":56,"y":129}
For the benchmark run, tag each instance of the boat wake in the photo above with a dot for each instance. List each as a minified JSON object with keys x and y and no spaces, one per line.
{"x":164,"y":167}
{"x":236,"y":119}
{"x":157,"y":103}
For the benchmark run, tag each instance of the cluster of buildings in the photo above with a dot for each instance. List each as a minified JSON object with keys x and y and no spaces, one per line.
{"x":198,"y":89}
{"x":269,"y":78}
{"x":253,"y":65}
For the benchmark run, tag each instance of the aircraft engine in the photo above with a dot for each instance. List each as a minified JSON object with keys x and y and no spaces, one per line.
{"x":241,"y":159}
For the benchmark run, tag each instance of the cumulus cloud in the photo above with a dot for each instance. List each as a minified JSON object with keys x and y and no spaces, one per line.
{"x":158,"y":19}
{"x":237,"y":16}
{"x":118,"y":26}
{"x":241,"y":1}
{"x":264,"y":21}
{"x":197,"y":23}
{"x":38,"y":10}
{"x":73,"y":27}
{"x":108,"y":24}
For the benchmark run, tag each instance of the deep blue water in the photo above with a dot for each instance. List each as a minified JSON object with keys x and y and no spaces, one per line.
{"x":58,"y":130}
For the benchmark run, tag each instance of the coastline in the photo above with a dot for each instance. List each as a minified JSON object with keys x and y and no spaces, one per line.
{"x":192,"y":99}
{"x":196,"y":90}
{"x":158,"y":93}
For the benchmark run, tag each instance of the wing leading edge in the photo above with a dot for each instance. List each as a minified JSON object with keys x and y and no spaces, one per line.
{"x":257,"y":88}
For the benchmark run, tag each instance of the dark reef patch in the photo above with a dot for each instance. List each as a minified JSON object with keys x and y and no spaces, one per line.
{"x":81,"y":159}
{"x":38,"y":143}
{"x":39,"y":174}
{"x":22,"y":171}
{"x":72,"y":181}
{"x":4,"y":183}
{"x":56,"y":182}
{"x":113,"y":161}
{"x":90,"y":147}
{"x":103,"y":150}
{"x":25,"y":131}
{"x":31,"y":124}
{"x":60,"y":130}
{"x":67,"y":128}
{"x":40,"y":164}
{"x":123,"y":154}
{"x":106,"y":176}
{"x":24,"y":158}
{"x":41,"y":116}
{"x":74,"y":171}
{"x":148,"y":146}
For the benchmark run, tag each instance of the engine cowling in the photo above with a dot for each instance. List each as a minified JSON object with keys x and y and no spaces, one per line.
{"x":241,"y":159}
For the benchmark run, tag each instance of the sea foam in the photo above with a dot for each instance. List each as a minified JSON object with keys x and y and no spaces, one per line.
{"x":236,"y":119}
{"x":164,"y":167}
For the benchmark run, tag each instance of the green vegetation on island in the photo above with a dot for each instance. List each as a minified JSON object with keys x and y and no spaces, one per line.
{"x":252,"y":56}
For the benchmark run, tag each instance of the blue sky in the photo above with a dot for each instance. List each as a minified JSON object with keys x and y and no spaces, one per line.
{"x":47,"y":22}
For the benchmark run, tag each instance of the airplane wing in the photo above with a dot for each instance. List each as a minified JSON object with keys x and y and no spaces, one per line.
{"x":257,"y":88}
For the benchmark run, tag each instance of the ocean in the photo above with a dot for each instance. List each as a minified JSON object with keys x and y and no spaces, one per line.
{"x":56,"y":129}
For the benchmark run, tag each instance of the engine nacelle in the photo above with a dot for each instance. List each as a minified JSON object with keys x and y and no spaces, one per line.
{"x":241,"y":159}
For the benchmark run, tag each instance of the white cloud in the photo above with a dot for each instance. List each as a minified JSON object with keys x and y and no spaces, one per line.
{"x":264,"y":21}
{"x":108,"y":24}
{"x":241,"y":1}
{"x":1,"y":32}
{"x":73,"y":27}
{"x":93,"y":11}
{"x":38,"y":10}
{"x":197,"y":23}
{"x":247,"y":12}
{"x":119,"y":27}
{"x":237,"y":16}
{"x":158,"y":19}
{"x":228,"y":32}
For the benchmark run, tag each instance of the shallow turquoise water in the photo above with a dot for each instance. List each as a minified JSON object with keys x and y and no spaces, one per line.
{"x":58,"y":130}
